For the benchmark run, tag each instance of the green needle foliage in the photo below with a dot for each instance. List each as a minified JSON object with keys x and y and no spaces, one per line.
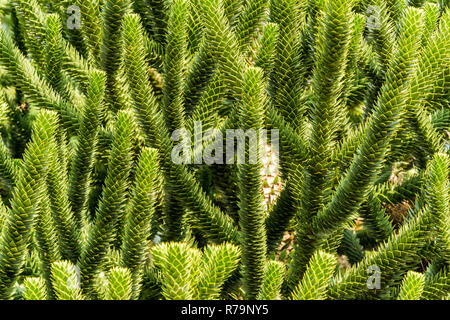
{"x":91,"y":27}
{"x":412,"y":286}
{"x":188,"y":273}
{"x":316,"y":278}
{"x":54,"y":51}
{"x":83,"y":160}
{"x":61,"y":214}
{"x":251,"y":213}
{"x":286,"y":78}
{"x":397,"y":253}
{"x":37,"y":89}
{"x":111,"y":205}
{"x":437,"y":194}
{"x":266,"y":54}
{"x":214,"y":223}
{"x":113,"y":13}
{"x":47,"y":243}
{"x":66,"y":281}
{"x":8,"y":170}
{"x":139,"y":218}
{"x":250,"y":20}
{"x":273,"y":280}
{"x":34,"y":289}
{"x":348,"y":199}
{"x":436,"y":286}
{"x":331,"y":52}
{"x":119,"y":284}
{"x":218,"y":263}
{"x":27,"y":194}
{"x":173,"y":108}
{"x":178,"y":263}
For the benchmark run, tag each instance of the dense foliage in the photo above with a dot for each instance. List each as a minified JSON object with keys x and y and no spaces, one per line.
{"x":93,"y":205}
